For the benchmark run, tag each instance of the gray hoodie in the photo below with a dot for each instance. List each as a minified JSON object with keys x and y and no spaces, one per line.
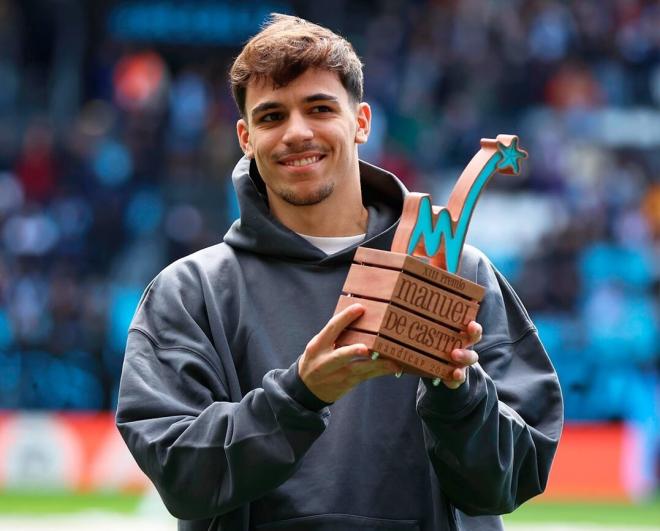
{"x":214,"y":412}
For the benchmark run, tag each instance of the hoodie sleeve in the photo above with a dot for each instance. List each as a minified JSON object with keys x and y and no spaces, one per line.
{"x":492,"y":440}
{"x":206,"y":454}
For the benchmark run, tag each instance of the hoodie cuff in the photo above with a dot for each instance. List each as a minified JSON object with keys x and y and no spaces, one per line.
{"x":294,"y":386}
{"x":441,"y":401}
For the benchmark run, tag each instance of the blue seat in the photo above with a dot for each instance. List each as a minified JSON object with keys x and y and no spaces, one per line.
{"x":607,"y":262}
{"x":61,"y":382}
{"x":10,"y":379}
{"x":560,"y":334}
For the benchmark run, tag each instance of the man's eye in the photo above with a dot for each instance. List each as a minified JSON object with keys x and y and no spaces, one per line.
{"x":271,"y":117}
{"x":321,"y":108}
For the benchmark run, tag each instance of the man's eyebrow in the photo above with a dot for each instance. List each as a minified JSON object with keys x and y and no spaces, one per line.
{"x":265,"y":106}
{"x":320,"y":96}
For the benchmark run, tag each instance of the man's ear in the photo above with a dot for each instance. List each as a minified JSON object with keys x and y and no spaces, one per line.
{"x":243,"y":133}
{"x":363,"y":118}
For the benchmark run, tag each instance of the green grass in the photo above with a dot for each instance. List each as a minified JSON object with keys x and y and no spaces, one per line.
{"x":24,"y":503}
{"x":646,"y":514}
{"x":615,"y":513}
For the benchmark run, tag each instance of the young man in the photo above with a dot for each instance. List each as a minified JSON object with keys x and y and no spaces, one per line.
{"x":234,"y":399}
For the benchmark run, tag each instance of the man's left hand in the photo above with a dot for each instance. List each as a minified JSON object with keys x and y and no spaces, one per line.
{"x":464,"y":357}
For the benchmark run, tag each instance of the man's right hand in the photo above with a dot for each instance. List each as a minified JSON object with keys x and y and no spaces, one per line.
{"x":331,"y":372}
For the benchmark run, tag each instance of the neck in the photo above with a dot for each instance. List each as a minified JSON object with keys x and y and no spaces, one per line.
{"x":316,"y":221}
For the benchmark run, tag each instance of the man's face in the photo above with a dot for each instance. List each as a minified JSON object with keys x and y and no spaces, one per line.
{"x":303,"y":136}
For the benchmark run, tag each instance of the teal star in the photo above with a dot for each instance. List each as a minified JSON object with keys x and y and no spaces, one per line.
{"x":511,"y":156}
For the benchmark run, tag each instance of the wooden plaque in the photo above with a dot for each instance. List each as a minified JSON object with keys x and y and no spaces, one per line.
{"x":411,"y":293}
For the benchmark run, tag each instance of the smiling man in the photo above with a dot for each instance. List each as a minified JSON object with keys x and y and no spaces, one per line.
{"x":234,"y":399}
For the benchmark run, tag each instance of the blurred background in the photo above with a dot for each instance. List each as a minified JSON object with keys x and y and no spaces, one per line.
{"x":117,"y":142}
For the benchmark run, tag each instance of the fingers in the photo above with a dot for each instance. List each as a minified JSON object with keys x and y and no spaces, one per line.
{"x":361,"y":371}
{"x":377,"y":367}
{"x":464,"y":356}
{"x":358,"y":360}
{"x":335,"y":326}
{"x":458,"y":378}
{"x":346,"y":355}
{"x":474,"y":332}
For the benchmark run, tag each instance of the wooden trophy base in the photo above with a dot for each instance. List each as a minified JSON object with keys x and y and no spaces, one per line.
{"x":416,"y":314}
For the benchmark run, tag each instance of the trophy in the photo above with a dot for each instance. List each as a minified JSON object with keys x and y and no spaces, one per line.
{"x":417,"y":306}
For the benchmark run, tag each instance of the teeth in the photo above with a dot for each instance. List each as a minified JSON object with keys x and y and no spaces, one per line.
{"x":303,"y":162}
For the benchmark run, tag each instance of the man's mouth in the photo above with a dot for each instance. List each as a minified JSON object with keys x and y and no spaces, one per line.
{"x":302,"y":161}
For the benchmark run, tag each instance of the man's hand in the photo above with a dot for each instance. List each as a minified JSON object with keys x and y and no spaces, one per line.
{"x":464,"y":357}
{"x":331,"y":372}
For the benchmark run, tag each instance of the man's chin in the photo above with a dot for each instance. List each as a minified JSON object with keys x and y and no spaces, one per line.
{"x":306,"y":199}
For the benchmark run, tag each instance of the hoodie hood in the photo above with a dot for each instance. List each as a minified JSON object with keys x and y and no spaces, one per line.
{"x":257,"y":231}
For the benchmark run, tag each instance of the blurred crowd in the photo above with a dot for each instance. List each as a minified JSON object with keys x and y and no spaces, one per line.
{"x":115,"y":159}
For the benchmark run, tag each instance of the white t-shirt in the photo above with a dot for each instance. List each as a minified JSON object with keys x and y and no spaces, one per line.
{"x":333,"y":244}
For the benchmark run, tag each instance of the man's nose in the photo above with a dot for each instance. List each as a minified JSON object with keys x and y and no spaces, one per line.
{"x":297,"y":129}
